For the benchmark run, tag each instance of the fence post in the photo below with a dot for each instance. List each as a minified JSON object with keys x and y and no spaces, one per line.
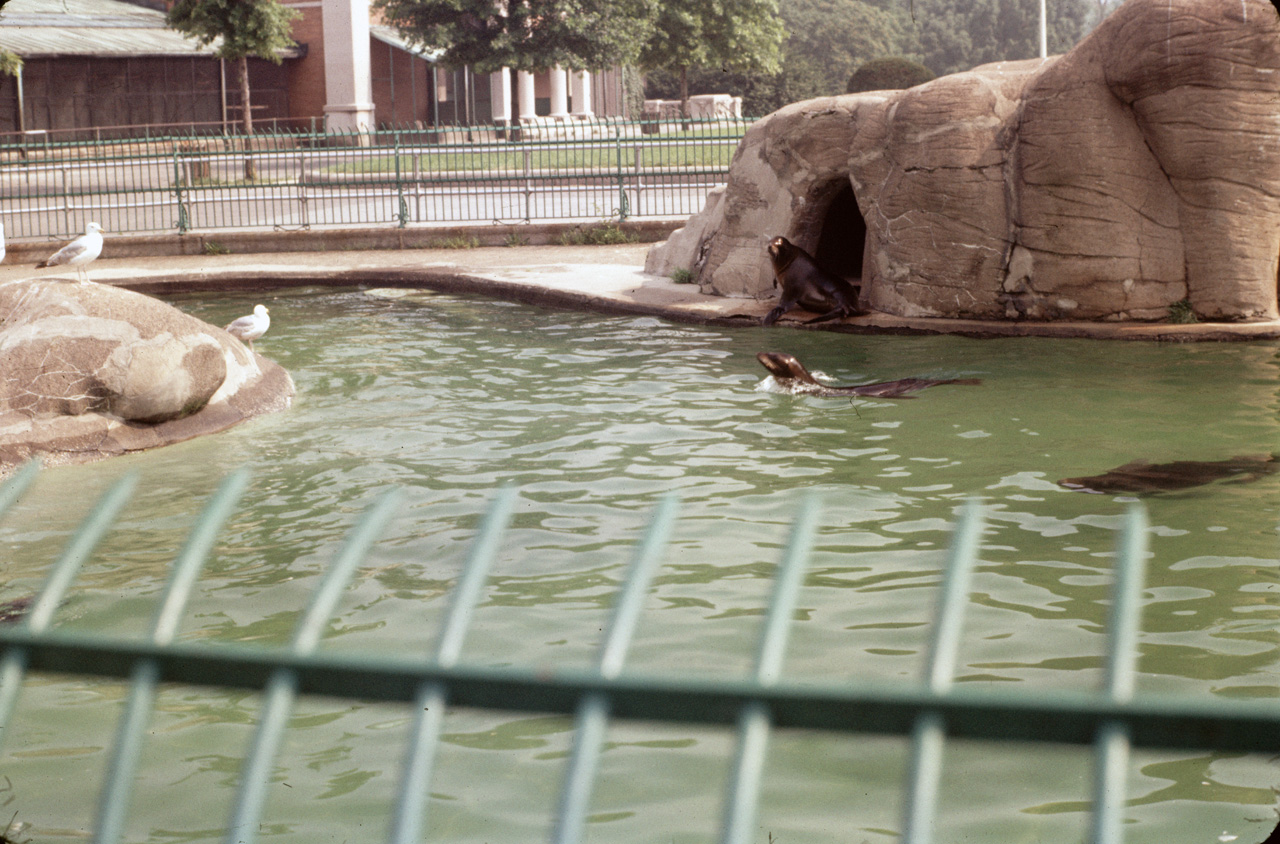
{"x":417,"y":185}
{"x":639,"y":180}
{"x":302,"y":190}
{"x":402,"y":209}
{"x":66,"y":198}
{"x":528,"y":183}
{"x":622,"y":188}
{"x":184,"y":223}
{"x":1112,"y":745}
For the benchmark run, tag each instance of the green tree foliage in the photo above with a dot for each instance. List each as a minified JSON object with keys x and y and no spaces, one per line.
{"x":760,"y":94}
{"x":10,"y":63}
{"x":825,"y":41}
{"x":732,"y":35}
{"x":887,"y":74}
{"x":527,"y":35}
{"x":956,"y":35}
{"x":828,"y":39}
{"x":244,"y":29}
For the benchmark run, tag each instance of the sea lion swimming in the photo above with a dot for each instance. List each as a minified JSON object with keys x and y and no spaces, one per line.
{"x":15,"y":608}
{"x":792,"y":377}
{"x":1141,"y":477}
{"x":806,"y":284}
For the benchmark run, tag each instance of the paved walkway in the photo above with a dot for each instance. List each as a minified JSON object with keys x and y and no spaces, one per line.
{"x":609,"y":279}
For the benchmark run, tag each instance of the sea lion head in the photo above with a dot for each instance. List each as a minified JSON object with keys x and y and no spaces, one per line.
{"x":784,"y":366}
{"x":781,"y":253}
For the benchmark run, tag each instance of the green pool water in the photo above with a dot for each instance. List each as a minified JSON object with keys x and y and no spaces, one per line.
{"x":593,"y":418}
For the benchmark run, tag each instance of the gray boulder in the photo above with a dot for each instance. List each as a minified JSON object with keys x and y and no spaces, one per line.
{"x":91,"y":370}
{"x":1138,"y":170}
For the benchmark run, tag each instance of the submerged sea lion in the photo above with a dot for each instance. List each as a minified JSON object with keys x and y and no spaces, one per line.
{"x":792,"y":377}
{"x":806,"y":284}
{"x":14,"y":609}
{"x":1141,"y":477}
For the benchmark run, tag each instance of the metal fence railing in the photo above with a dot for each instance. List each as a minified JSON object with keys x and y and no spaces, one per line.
{"x":1112,"y":719}
{"x":539,"y":170}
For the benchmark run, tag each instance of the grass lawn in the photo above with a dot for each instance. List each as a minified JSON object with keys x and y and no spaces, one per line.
{"x":702,"y":147}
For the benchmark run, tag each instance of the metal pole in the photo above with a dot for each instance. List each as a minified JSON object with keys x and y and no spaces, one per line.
{"x":435,"y":97}
{"x":1044,"y":31}
{"x":22,"y":108}
{"x":222,"y":86}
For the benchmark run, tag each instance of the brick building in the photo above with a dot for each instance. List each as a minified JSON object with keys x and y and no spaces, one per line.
{"x":403,"y":85}
{"x":114,"y":63}
{"x":108,"y":63}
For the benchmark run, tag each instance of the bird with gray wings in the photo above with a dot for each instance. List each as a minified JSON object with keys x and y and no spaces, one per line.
{"x":79,"y":253}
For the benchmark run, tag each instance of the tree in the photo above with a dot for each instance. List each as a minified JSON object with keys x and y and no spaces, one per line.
{"x":828,"y":39}
{"x":825,"y":40}
{"x":734,"y":35}
{"x":956,"y":35}
{"x":10,"y":63}
{"x":531,"y":35}
{"x":760,"y":93}
{"x":257,"y":28}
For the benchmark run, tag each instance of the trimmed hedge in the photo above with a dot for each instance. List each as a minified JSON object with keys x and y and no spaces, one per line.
{"x":888,"y":74}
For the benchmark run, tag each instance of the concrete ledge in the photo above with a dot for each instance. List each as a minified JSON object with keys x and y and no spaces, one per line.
{"x":342,"y":240}
{"x":606,"y":279}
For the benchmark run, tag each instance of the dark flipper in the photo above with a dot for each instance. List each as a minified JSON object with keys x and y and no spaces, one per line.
{"x":900,"y":388}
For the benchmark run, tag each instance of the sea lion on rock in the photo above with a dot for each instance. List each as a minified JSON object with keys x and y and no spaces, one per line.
{"x":806,"y":284}
{"x":792,"y":377}
{"x":1140,"y":477}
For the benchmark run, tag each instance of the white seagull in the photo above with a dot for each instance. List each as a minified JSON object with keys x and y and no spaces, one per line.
{"x":1,"y":241}
{"x":79,"y":252}
{"x":251,"y":327}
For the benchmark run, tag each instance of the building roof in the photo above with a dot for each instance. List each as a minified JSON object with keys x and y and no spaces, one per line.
{"x":108,"y":28}
{"x":389,"y":35}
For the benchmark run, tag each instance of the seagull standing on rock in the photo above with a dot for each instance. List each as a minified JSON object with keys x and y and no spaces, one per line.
{"x":251,"y":327}
{"x":79,"y":252}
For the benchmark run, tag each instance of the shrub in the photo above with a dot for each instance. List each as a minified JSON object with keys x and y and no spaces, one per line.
{"x":457,"y":242}
{"x":1182,"y":313}
{"x":598,"y":235}
{"x":888,"y":74}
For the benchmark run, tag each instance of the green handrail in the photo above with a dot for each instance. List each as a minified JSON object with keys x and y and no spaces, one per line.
{"x":1112,"y":720}
{"x":576,"y":170}
{"x":113,"y":803}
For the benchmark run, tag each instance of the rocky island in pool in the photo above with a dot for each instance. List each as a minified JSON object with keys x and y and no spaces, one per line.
{"x":92,"y":371}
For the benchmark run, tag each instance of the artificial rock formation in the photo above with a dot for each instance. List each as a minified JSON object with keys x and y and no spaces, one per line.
{"x":1136,"y":171}
{"x":90,"y":370}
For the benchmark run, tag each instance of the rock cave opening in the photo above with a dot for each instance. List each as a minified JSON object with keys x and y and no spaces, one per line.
{"x":844,"y":236}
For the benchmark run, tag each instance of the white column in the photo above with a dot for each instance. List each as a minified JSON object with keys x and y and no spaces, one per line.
{"x":500,"y":95}
{"x":524,"y":93}
{"x":581,"y":83}
{"x":559,"y":93}
{"x":348,"y":92}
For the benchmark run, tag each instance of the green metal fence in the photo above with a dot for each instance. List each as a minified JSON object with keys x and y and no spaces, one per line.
{"x":1112,"y":719}
{"x":544,"y":170}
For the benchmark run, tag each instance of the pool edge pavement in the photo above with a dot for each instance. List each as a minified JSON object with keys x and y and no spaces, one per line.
{"x":606,"y":278}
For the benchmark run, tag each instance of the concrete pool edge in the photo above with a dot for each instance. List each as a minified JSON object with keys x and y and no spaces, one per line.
{"x":606,"y":279}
